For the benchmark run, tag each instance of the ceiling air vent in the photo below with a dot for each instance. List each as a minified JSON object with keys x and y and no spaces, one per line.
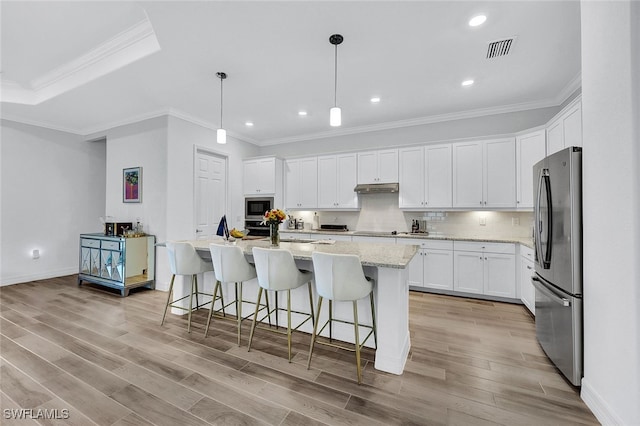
{"x":499,"y":48}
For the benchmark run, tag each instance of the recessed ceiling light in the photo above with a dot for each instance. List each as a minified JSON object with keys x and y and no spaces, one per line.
{"x":249,"y":124}
{"x":375,"y":100}
{"x":477,"y":20}
{"x":302,"y":113}
{"x":467,"y":83}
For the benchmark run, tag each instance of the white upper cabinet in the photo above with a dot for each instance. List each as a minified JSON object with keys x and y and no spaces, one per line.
{"x":260,"y":175}
{"x":425,"y":177}
{"x":336,"y":181}
{"x":378,"y":166}
{"x":565,"y":129}
{"x":530,"y":148}
{"x":484,"y":174}
{"x":301,"y":183}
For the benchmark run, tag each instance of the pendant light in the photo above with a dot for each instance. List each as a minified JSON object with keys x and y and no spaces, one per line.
{"x":335,"y":115}
{"x":221,"y":135}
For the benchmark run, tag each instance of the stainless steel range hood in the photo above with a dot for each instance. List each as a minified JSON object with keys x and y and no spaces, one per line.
{"x":376,"y":188}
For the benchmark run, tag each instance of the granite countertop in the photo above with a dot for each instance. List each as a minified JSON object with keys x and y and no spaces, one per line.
{"x":421,"y":236}
{"x":371,"y":254}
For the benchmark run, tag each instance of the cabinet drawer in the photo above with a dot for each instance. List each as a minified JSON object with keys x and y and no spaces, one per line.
{"x":428,"y":244}
{"x":90,"y":243}
{"x":505,"y":248}
{"x":111,"y":245}
{"x":526,"y":252}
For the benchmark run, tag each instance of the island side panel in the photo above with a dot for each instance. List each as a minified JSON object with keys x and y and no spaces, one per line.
{"x":392,"y":319}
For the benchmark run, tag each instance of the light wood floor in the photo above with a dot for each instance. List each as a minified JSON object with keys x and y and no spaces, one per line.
{"x":107,"y":361}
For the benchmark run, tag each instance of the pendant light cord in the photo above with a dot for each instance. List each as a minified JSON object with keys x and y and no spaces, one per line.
{"x":335,"y":73}
{"x":221,"y":97}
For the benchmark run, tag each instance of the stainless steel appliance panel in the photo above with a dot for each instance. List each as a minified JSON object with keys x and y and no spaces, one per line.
{"x":558,"y":219}
{"x":559,"y":328}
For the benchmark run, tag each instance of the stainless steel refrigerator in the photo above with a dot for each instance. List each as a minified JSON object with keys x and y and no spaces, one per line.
{"x":558,"y":259}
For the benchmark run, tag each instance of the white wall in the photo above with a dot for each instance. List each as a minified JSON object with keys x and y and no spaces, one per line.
{"x":611,"y":161}
{"x":53,"y":189}
{"x":479,"y":127}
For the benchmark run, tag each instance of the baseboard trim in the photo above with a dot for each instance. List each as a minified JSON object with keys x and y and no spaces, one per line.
{"x":598,"y":405}
{"x":40,"y":276}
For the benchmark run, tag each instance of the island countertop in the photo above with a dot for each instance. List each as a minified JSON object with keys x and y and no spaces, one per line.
{"x":371,"y":254}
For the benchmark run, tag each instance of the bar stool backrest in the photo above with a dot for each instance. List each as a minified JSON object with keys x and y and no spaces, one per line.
{"x":184,"y":260}
{"x":276,"y":269}
{"x":340,"y":276}
{"x":230,"y":265}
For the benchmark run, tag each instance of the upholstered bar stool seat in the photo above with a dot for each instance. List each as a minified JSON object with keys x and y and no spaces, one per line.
{"x":184,"y":260}
{"x":277,"y":271}
{"x":339,"y":277}
{"x":231,"y":266}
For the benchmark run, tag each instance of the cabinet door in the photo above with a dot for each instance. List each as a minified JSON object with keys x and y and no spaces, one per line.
{"x":572,"y":126}
{"x":266,"y":179}
{"x":438,"y":269}
{"x":346,"y":198}
{"x":388,"y":166}
{"x":500,"y":173}
{"x":250,"y":177}
{"x":415,"y":270}
{"x":499,"y":275}
{"x":438,"y":176}
{"x":411,"y":176}
{"x":530,"y":149}
{"x":467,"y":174}
{"x":292,"y":184}
{"x":328,"y":181}
{"x":527,"y":291}
{"x":555,"y":137}
{"x":367,"y":167}
{"x":308,"y":195}
{"x":468,"y":273}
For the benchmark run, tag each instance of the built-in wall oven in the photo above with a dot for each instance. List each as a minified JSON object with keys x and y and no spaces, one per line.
{"x":254,"y":209}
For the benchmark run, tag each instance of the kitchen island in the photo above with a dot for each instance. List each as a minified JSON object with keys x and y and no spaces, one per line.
{"x":385,"y":263}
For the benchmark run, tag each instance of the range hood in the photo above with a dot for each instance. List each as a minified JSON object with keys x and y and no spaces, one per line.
{"x":376,"y":188}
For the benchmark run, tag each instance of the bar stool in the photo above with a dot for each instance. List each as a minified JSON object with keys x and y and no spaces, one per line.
{"x":184,"y":260}
{"x":339,"y":277}
{"x":230,"y":266}
{"x":277,"y":271}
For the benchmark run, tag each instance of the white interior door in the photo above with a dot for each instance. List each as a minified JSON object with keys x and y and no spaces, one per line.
{"x":210,"y":193}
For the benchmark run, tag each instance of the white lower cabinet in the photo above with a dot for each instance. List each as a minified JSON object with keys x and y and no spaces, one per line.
{"x":527,"y":291}
{"x":484,"y":268}
{"x":432,"y":267}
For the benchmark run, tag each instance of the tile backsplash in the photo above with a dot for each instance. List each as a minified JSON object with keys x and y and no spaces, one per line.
{"x":380,"y":213}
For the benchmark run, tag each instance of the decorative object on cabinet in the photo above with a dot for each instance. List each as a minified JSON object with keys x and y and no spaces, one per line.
{"x":117,"y":262}
{"x":221,"y":134}
{"x":335,"y":114}
{"x":132,"y":185}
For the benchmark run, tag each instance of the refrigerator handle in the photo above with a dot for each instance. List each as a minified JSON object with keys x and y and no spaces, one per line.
{"x":551,"y":295}
{"x":538,"y":222}
{"x":546,"y":260}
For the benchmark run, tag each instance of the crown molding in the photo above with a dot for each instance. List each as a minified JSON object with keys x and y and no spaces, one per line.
{"x":569,"y":89}
{"x":208,"y":125}
{"x":41,"y":124}
{"x":92,"y":131}
{"x":417,"y":121}
{"x":130,"y":45}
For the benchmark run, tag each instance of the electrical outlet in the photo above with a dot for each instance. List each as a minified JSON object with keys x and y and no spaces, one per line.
{"x":515,"y":221}
{"x":483,"y":221}
{"x":35,"y":254}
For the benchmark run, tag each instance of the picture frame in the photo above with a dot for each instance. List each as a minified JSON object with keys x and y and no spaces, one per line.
{"x":132,"y":185}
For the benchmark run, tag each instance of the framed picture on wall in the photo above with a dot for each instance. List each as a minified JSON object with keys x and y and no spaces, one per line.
{"x":132,"y":185}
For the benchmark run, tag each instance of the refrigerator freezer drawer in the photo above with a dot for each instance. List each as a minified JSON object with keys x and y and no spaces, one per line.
{"x":559,"y":329}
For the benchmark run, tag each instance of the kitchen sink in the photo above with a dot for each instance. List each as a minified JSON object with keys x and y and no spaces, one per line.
{"x":295,"y":240}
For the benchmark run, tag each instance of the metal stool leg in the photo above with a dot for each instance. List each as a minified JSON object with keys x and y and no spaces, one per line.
{"x":213,"y":301}
{"x":330,"y":320}
{"x":195,"y":290}
{"x":266,"y":296}
{"x":313,"y":321}
{"x":315,"y":331}
{"x":255,"y":318}
{"x":239,"y":310}
{"x":190,"y":304}
{"x":168,"y":299}
{"x":373,"y":321}
{"x":289,"y":323}
{"x":355,"y":328}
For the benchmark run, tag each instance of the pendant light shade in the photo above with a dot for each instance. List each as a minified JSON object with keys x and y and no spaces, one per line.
{"x":335,"y":114}
{"x":221,"y":134}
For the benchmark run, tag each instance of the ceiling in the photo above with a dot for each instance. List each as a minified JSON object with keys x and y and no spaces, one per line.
{"x":88,"y":66}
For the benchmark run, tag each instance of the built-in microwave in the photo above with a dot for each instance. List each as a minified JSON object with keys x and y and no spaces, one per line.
{"x":255,"y":207}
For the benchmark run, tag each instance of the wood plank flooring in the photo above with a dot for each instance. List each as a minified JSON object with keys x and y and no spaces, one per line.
{"x":107,"y":361}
